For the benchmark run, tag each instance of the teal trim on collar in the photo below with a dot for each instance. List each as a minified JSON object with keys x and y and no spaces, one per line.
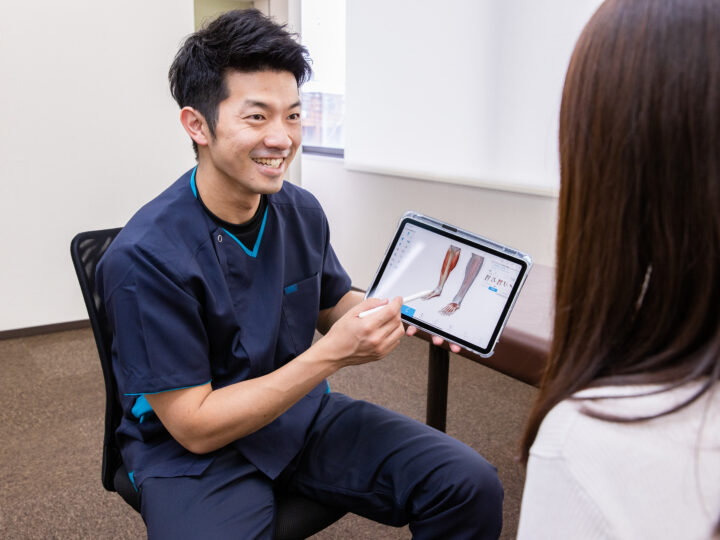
{"x":254,"y":252}
{"x":192,"y":182}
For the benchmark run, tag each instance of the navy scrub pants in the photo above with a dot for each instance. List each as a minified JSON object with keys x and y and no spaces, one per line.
{"x":358,"y":456}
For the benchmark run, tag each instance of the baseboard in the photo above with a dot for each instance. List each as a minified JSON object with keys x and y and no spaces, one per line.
{"x":44,"y":329}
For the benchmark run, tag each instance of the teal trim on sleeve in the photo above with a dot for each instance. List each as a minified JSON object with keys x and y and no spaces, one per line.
{"x":327,"y":384}
{"x":254,"y":252}
{"x":169,"y":390}
{"x":141,"y":408}
{"x":131,"y":475}
{"x":193,"y":186}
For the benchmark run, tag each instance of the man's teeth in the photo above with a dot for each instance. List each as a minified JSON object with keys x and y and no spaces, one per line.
{"x":269,"y":162}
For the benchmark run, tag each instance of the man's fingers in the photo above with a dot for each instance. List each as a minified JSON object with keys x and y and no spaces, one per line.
{"x":392,"y":326}
{"x":400,"y":333}
{"x":393,"y":333}
{"x":393,"y":309}
{"x":437,"y":340}
{"x":387,"y":314}
{"x":368,"y":303}
{"x":393,"y":339}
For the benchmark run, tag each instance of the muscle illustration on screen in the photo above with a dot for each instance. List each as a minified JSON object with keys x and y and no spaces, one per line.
{"x":449,"y":263}
{"x":471,"y":271}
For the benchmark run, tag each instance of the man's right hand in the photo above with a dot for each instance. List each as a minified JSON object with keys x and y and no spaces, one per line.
{"x":353,"y":340}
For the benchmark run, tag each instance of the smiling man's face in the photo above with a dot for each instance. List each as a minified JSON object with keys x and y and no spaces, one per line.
{"x":257,"y":132}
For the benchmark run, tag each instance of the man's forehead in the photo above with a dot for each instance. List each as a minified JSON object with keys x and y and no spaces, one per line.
{"x":231,"y":74}
{"x":267,"y":87}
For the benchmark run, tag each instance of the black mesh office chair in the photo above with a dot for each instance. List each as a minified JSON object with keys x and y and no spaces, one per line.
{"x":297,"y":517}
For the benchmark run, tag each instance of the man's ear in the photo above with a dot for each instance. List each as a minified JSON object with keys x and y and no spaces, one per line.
{"x":195,"y":125}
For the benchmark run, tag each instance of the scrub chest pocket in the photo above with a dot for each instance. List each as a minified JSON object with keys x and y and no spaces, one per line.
{"x":300,"y":308}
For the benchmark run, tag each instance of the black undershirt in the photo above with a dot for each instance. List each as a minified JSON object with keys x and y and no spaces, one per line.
{"x":246,"y":232}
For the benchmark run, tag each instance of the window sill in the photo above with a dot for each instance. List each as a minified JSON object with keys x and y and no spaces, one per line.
{"x":323,"y":151}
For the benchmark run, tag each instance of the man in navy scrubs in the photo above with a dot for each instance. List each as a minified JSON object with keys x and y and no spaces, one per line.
{"x":214,"y":290}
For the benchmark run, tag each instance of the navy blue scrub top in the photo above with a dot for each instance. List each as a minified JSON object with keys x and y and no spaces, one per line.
{"x":189,"y":304}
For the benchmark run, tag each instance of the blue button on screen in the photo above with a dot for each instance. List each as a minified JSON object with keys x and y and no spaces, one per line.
{"x":493,"y":289}
{"x":407,"y":310}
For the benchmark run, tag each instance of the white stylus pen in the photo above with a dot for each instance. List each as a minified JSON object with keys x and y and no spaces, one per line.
{"x":406,"y":299}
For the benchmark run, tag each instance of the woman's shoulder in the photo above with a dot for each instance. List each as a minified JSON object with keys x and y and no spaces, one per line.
{"x":623,"y":466}
{"x":556,"y":428}
{"x":577,"y":424}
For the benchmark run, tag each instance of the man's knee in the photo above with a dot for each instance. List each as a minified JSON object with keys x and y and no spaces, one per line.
{"x":474,"y":482}
{"x":463,"y":496}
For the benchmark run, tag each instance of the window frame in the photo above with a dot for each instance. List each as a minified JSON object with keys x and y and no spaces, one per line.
{"x":313,"y":149}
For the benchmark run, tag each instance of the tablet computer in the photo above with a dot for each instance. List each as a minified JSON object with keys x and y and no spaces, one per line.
{"x":454,"y":284}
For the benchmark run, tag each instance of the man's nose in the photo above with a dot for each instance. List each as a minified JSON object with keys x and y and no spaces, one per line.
{"x":278,"y":136}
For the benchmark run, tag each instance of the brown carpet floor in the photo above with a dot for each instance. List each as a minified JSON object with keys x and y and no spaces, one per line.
{"x":51,"y":422}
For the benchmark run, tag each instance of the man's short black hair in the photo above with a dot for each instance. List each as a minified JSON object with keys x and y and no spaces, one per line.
{"x":241,"y":40}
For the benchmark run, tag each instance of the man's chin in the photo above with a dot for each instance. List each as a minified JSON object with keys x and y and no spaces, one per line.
{"x":270,"y":187}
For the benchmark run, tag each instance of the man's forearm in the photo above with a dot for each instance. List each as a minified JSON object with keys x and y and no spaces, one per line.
{"x":202,"y":419}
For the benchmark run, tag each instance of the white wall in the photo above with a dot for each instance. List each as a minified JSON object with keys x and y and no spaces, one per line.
{"x":364,"y":208}
{"x":464,"y":91}
{"x":89,"y":133}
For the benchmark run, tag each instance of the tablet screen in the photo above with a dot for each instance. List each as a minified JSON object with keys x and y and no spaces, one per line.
{"x":453,"y":285}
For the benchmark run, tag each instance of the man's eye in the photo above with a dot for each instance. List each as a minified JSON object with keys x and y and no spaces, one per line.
{"x":256,"y":117}
{"x":294,"y":116}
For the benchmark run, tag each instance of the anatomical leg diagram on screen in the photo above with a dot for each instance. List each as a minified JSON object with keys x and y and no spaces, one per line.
{"x":472,"y":269}
{"x":451,"y":259}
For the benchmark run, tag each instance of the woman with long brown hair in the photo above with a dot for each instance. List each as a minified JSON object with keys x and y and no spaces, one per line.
{"x":624,"y":439}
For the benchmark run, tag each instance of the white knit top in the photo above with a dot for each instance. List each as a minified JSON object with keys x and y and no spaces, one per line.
{"x":656,"y":479}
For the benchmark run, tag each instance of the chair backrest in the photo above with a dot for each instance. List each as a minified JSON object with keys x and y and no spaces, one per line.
{"x":86,"y":249}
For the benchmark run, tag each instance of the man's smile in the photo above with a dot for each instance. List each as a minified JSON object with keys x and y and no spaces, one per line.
{"x":275,"y":163}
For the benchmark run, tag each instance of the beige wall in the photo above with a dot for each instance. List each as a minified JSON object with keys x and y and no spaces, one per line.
{"x":207,"y":10}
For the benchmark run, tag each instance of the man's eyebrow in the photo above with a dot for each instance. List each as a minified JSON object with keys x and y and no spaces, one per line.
{"x":255,"y":103}
{"x":263,"y":105}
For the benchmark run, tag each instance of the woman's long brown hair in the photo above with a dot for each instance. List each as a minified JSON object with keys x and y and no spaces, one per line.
{"x":639,"y":198}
